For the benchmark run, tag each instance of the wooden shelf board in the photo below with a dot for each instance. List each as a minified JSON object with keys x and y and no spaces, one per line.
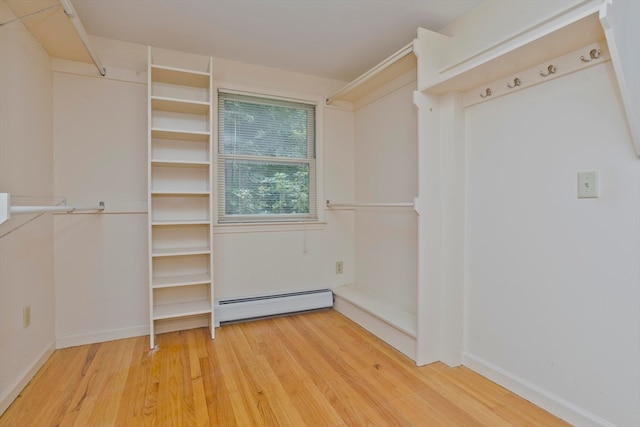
{"x":396,"y":65}
{"x":179,"y":163}
{"x":178,"y":135}
{"x":181,"y":309}
{"x":399,"y":319}
{"x":180,"y":251}
{"x":181,"y":193}
{"x":180,"y":222}
{"x":179,"y":76}
{"x":181,"y":280}
{"x":184,"y":106}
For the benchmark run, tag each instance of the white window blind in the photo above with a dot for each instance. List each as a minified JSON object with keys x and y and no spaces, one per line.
{"x":266,"y":159}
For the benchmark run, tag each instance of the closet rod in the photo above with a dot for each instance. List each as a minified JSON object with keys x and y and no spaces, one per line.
{"x":329,"y":204}
{"x":71,"y":13}
{"x":53,"y":209}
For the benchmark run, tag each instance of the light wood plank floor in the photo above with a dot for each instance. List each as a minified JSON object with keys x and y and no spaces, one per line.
{"x":315,"y":369}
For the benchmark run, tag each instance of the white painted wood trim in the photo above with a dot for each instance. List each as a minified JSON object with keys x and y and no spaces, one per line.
{"x":7,"y":398}
{"x":65,"y":341}
{"x":429,"y":206}
{"x":377,"y":307}
{"x":553,"y":36}
{"x":622,"y":32}
{"x":533,"y":393}
{"x":565,"y":64}
{"x":89,"y":70}
{"x":4,"y":207}
{"x":539,"y":29}
{"x":408,"y":78}
{"x":365,"y":83}
{"x":393,"y":336}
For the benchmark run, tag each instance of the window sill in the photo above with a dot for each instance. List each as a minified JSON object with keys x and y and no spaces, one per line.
{"x":268,"y":227}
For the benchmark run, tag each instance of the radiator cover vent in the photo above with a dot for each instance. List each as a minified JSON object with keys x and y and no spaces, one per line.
{"x":234,"y":309}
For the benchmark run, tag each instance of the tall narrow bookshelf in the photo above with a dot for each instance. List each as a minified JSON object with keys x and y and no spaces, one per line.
{"x":180,"y":198}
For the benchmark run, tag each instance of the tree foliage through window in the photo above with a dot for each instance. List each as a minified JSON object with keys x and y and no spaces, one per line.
{"x":267,"y":155}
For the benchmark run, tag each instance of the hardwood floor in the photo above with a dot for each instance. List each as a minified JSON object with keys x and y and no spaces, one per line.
{"x":315,"y":369}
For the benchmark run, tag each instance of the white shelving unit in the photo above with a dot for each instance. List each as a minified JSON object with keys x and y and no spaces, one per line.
{"x":180,"y":199}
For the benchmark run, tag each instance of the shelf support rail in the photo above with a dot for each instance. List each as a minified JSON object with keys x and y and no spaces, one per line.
{"x":329,"y":204}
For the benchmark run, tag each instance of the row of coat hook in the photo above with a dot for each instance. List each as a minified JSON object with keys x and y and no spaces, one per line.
{"x":593,"y":54}
{"x":551,"y":69}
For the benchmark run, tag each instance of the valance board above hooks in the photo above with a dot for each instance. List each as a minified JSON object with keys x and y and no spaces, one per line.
{"x":544,"y":72}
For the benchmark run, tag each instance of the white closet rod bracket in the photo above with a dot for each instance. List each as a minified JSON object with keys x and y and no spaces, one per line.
{"x":416,"y":206}
{"x":71,"y":13}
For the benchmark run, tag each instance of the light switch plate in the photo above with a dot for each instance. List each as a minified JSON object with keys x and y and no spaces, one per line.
{"x":588,"y":185}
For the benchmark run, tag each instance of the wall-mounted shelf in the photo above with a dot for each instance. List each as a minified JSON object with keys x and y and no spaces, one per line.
{"x":56,"y":26}
{"x":179,"y":134}
{"x":182,"y":309}
{"x":180,"y":251}
{"x":179,"y":163}
{"x":181,"y":280}
{"x":579,"y":25}
{"x":179,"y":105}
{"x":552,"y":37}
{"x":179,"y":76}
{"x":386,"y":71}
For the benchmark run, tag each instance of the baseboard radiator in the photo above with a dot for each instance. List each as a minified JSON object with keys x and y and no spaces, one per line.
{"x":236,"y":309}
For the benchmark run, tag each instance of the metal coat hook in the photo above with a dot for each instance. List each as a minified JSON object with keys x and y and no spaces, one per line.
{"x":551,"y":69}
{"x":486,"y":93}
{"x":516,"y":82}
{"x":593,"y":54}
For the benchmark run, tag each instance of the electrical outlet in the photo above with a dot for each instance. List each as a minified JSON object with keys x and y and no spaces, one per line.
{"x":339,"y":267}
{"x":26,"y":316}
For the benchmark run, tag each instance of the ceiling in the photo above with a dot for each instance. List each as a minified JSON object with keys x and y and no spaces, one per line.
{"x":337,"y":39}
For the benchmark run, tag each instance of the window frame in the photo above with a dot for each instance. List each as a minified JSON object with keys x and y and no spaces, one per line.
{"x":275,"y":222}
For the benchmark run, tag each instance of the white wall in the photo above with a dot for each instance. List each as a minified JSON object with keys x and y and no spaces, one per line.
{"x":100,"y":154}
{"x":100,"y":139}
{"x":386,"y":171}
{"x":26,"y":254}
{"x":268,"y":261}
{"x":553,"y":296}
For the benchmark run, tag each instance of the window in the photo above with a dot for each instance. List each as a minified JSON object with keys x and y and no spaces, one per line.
{"x":266,"y":159}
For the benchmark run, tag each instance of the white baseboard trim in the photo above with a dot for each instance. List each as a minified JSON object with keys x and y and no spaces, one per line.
{"x":534,"y":394}
{"x":7,"y":398}
{"x":395,"y":337}
{"x":65,"y":341}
